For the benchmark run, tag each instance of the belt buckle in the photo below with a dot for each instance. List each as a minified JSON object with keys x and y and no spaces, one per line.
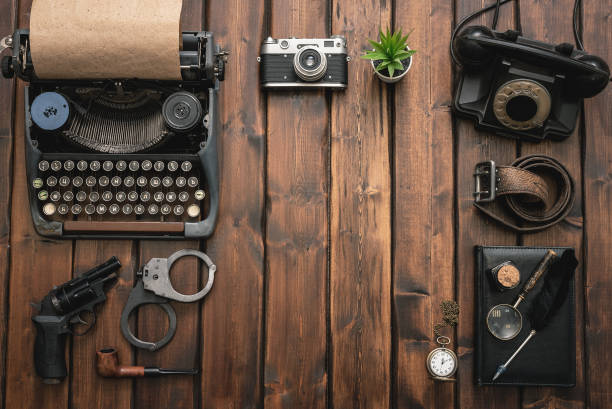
{"x":484,"y":191}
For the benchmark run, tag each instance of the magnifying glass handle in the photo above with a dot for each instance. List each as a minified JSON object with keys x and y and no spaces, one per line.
{"x":535,"y":276}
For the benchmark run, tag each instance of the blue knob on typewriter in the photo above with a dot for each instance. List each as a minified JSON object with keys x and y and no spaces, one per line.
{"x":50,"y":111}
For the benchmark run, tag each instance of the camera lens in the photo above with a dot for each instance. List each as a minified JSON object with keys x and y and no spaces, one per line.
{"x":310,"y":64}
{"x":522,"y":104}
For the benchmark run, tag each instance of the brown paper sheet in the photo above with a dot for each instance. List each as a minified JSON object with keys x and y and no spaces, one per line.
{"x":106,"y":39}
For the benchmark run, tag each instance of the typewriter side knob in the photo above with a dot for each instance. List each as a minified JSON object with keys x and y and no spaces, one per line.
{"x":182,"y":111}
{"x":7,"y":67}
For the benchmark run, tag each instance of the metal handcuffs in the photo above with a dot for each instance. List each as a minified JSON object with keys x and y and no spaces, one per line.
{"x":153,"y":286}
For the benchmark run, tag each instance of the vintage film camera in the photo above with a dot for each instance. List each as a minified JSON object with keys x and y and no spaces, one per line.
{"x":518,"y":87}
{"x":304,"y":63}
{"x":122,"y":158}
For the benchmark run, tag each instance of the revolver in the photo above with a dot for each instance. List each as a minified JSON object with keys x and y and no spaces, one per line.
{"x":61,"y":309}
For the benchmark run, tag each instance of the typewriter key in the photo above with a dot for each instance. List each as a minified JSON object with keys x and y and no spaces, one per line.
{"x":170,"y":197}
{"x":51,"y":181}
{"x":128,"y":181}
{"x":63,"y":209}
{"x":146,"y":165}
{"x":134,"y":165}
{"x":181,"y":181}
{"x":199,"y":194}
{"x":155,"y":182}
{"x":81,"y":196}
{"x":56,"y":165}
{"x":116,"y":181}
{"x":186,"y":166}
{"x":183,"y":196}
{"x":43,"y":195}
{"x":178,"y":210}
{"x":103,"y":181}
{"x":192,"y":181}
{"x":173,"y":166}
{"x":64,"y":181}
{"x":68,"y":196}
{"x":37,"y":183}
{"x":43,"y":165}
{"x":94,"y":166}
{"x":121,"y":165}
{"x":94,"y":196}
{"x":90,"y":181}
{"x":101,"y":208}
{"x":77,"y":181}
{"x":120,"y":197}
{"x":166,"y":209}
{"x":49,"y":209}
{"x":107,"y":165}
{"x":167,"y":181}
{"x":139,"y":209}
{"x":127,"y":209}
{"x":55,"y":196}
{"x":132,"y":196}
{"x":145,"y":196}
{"x":193,"y":210}
{"x":68,"y":166}
{"x":114,"y":208}
{"x":158,"y":196}
{"x":107,"y":196}
{"x":82,"y":165}
{"x":153,"y":209}
{"x":158,"y":166}
{"x":141,"y":181}
{"x":90,"y":209}
{"x":76,"y":209}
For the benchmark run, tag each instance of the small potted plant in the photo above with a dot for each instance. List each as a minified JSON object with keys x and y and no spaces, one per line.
{"x":391,"y":58}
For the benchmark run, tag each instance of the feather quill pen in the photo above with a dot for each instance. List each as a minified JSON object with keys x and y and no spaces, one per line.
{"x":549,"y":300}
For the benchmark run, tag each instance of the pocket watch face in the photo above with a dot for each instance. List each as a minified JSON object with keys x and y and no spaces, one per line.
{"x":442,"y":362}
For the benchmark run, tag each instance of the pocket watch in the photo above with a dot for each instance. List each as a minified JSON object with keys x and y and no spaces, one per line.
{"x":442,"y":362}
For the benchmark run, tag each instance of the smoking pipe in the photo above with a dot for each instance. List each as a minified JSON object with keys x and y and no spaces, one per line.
{"x":107,"y":365}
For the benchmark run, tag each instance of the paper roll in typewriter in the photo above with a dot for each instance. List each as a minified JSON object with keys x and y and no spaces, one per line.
{"x":120,"y":119}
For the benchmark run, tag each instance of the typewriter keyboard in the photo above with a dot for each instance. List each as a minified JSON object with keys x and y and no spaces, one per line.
{"x":116,"y":190}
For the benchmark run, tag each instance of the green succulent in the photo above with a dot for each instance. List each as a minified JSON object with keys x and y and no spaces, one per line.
{"x":391,"y":50}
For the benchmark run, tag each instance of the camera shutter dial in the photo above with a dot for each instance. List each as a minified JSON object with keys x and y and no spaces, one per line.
{"x":522,"y":104}
{"x":310,"y":64}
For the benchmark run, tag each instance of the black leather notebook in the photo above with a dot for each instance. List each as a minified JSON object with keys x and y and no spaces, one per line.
{"x":549,"y":359}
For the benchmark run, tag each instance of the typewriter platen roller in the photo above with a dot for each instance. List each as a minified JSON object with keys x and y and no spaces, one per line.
{"x":123,"y":158}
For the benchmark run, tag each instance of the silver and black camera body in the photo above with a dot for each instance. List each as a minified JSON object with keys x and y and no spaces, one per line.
{"x":304,"y":63}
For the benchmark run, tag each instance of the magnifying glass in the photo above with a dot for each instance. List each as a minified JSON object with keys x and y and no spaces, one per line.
{"x":504,"y":320}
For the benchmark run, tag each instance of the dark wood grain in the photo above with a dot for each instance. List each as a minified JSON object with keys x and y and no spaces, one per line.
{"x":360,"y":220}
{"x":296,"y":227}
{"x":36,"y":266}
{"x":88,"y":388}
{"x":598,"y":214}
{"x":232,"y":319}
{"x":551,"y":22}
{"x":473,"y":229}
{"x":423,"y":218}
{"x":7,"y":101}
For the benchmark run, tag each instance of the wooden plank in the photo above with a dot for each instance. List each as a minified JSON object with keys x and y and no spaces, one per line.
{"x":232,"y":321}
{"x":424,"y":203}
{"x":36,"y":266}
{"x":7,"y":101}
{"x":360,"y":233}
{"x":552,"y":23}
{"x":295,"y":373}
{"x":473,"y":228}
{"x":598,"y":214}
{"x":87,"y":386}
{"x":183,"y":350}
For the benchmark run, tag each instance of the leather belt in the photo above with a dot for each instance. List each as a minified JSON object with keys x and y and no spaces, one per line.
{"x":537,"y":192}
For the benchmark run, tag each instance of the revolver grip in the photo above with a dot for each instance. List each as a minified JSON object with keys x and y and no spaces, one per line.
{"x":49,"y":349}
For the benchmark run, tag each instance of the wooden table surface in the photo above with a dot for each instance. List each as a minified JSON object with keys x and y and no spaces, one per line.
{"x":346,"y":218}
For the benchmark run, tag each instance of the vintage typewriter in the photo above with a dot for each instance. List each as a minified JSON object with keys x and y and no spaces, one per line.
{"x":123,"y":158}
